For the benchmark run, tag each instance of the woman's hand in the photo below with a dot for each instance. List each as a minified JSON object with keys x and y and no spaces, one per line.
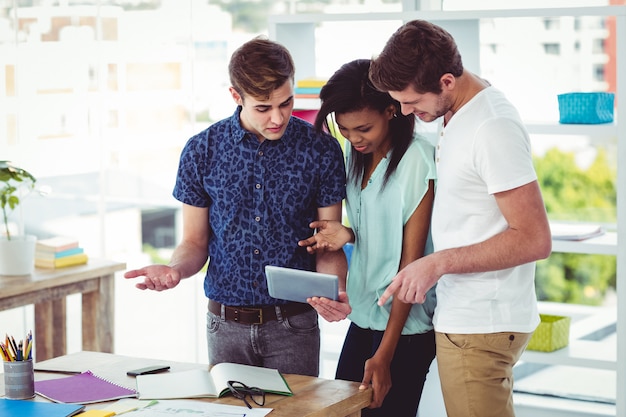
{"x":331,"y":236}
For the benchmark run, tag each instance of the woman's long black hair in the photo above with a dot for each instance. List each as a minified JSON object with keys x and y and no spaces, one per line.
{"x":348,"y":90}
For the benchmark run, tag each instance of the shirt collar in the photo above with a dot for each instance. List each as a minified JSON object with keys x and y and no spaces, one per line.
{"x":238,"y":132}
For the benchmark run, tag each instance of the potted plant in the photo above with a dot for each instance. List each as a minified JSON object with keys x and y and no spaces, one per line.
{"x":17,"y":252}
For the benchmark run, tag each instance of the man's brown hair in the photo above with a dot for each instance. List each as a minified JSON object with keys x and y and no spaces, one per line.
{"x":418,"y":54}
{"x":260,"y":66}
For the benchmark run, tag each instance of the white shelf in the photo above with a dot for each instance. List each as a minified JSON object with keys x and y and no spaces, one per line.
{"x":601,"y":245}
{"x":445,"y":15}
{"x":596,"y":130}
{"x":583,"y":353}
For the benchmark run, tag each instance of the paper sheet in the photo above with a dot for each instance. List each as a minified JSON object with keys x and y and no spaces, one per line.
{"x":182,"y":408}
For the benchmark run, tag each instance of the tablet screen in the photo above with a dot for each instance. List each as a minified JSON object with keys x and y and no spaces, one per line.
{"x":298,"y":285}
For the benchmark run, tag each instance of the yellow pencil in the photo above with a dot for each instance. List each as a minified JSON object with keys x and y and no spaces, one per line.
{"x":9,"y":350}
{"x":6,"y":354}
{"x":29,"y":345}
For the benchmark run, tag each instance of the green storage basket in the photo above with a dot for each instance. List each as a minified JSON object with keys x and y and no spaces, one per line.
{"x":586,"y":108}
{"x":551,"y":334}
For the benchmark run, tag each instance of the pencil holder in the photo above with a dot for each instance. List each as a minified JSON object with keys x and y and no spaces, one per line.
{"x":19,"y":380}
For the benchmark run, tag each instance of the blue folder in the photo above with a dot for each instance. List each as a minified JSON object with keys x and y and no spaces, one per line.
{"x":30,"y":408}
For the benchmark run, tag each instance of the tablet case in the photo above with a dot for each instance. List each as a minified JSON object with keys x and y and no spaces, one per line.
{"x":298,"y":285}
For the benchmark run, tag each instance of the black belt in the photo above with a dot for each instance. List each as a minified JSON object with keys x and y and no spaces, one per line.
{"x":257,"y":315}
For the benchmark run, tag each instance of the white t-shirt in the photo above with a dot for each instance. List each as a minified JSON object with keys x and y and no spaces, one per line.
{"x":484,"y":149}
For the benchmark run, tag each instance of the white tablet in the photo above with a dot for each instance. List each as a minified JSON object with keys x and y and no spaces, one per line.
{"x":298,"y":285}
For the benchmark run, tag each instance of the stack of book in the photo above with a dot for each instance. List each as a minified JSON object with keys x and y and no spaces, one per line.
{"x":309,"y":87}
{"x":59,"y":251}
{"x":307,"y":95}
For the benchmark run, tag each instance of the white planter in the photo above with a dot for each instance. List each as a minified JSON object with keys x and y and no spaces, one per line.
{"x":17,"y":256}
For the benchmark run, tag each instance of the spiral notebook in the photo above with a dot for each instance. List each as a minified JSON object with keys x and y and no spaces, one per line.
{"x":83,"y":388}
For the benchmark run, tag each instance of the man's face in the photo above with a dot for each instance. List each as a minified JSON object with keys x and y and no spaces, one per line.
{"x":266,"y":119}
{"x":427,"y":106}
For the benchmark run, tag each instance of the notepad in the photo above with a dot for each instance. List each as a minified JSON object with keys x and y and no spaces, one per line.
{"x":97,"y":413}
{"x":37,"y":409}
{"x":126,"y":405}
{"x":198,"y":383}
{"x":83,"y":388}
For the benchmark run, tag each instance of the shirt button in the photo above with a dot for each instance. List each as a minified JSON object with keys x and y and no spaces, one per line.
{"x":258,"y":186}
{"x":437,"y":160}
{"x":260,"y":153}
{"x":256,"y":251}
{"x":257,"y":219}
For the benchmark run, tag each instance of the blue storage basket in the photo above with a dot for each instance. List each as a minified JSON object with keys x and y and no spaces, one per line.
{"x":586,"y":108}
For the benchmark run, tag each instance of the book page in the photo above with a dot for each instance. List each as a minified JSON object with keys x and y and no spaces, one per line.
{"x":194,"y":383}
{"x":197,"y":383}
{"x":191,"y":408}
{"x":269,"y":380}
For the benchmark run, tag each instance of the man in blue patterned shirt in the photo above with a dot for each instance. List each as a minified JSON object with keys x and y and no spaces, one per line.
{"x":250,"y":185}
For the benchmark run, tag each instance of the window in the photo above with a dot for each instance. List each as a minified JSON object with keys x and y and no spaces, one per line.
{"x":552,"y":48}
{"x":551,"y":24}
{"x":597,"y":46}
{"x":598,"y":72}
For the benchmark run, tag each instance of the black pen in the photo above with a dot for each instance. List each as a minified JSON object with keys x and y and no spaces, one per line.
{"x":58,"y":371}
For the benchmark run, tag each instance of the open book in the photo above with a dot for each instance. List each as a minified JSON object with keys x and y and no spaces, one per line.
{"x":198,"y":383}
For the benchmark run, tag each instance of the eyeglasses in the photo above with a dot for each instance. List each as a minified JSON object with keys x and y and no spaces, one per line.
{"x":242,"y":391}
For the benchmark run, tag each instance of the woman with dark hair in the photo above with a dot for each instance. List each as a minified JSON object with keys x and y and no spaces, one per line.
{"x":390,"y":190}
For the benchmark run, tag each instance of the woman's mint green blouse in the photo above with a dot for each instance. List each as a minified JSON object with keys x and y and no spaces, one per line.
{"x":377,"y":218}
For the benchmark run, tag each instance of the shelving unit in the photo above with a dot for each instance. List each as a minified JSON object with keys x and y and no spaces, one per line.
{"x":297,"y":32}
{"x":601,"y":245}
{"x":580,"y":352}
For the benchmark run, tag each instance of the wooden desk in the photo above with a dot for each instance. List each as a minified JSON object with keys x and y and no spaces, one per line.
{"x":47,"y":290}
{"x":313,"y":397}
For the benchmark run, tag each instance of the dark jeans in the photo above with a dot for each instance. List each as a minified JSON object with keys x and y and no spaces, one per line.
{"x":409,"y":367}
{"x":291,"y":345}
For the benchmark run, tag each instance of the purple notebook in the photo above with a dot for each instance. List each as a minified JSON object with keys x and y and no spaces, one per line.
{"x":82,"y":388}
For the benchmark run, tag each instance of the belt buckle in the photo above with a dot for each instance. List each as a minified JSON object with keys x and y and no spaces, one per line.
{"x":259,"y":314}
{"x":260,"y":317}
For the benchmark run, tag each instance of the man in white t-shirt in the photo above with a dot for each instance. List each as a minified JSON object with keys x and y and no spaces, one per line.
{"x":489,"y":223}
